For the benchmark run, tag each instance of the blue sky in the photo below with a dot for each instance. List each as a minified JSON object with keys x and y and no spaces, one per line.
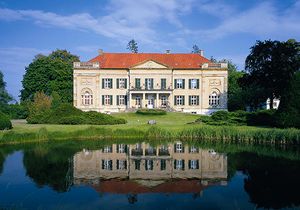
{"x":222,"y":28}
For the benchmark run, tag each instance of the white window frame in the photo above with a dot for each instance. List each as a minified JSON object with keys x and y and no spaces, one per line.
{"x":179,"y":83}
{"x":193,"y":100}
{"x":121,"y":99}
{"x":179,"y":147}
{"x":179,"y":164}
{"x":107,"y":100}
{"x":121,"y":148}
{"x":138,"y":101}
{"x":121,"y":165}
{"x":87,"y":98}
{"x":214,"y":99}
{"x":107,"y":165}
{"x":164,"y":100}
{"x":122,"y":83}
{"x":107,"y":149}
{"x":148,"y":165}
{"x":193,"y":83}
{"x":193,"y":149}
{"x":107,"y":83}
{"x":179,"y":100}
{"x":193,"y":164}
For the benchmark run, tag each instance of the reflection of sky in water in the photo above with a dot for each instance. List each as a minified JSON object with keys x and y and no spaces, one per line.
{"x":23,"y":192}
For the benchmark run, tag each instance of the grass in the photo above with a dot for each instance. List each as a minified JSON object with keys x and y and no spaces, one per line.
{"x":170,"y":126}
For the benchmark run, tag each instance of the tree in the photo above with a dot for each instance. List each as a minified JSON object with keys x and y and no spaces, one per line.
{"x":5,"y":97}
{"x":270,"y":67}
{"x":48,"y":74}
{"x":196,"y":49}
{"x":132,"y":46}
{"x":235,"y":91}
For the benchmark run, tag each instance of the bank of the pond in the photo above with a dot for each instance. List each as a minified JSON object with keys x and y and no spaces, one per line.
{"x":220,"y":134}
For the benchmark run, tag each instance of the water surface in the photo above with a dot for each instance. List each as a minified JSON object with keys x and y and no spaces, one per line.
{"x":143,"y":175}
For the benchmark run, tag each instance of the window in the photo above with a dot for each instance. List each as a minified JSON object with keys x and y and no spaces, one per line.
{"x":87,"y":98}
{"x":194,"y":83}
{"x":164,"y":101}
{"x":148,"y":84}
{"x":179,"y":83}
{"x":148,"y":165}
{"x":107,"y":100}
{"x":193,"y":149}
{"x":138,"y":101}
{"x":193,"y":100}
{"x":193,"y":164}
{"x":179,"y":100}
{"x":121,"y":164}
{"x":121,"y":83}
{"x":163,"y":84}
{"x":179,"y":147}
{"x":214,"y":99}
{"x":107,"y":165}
{"x":121,"y":148}
{"x":121,"y":100}
{"x":107,"y":149}
{"x":137,"y":83}
{"x":179,"y":164}
{"x":163,"y":165}
{"x":106,"y":83}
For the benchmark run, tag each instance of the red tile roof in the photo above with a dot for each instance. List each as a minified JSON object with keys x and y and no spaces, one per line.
{"x":127,"y":60}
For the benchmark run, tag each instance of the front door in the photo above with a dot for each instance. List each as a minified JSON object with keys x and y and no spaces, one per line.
{"x":150,"y":102}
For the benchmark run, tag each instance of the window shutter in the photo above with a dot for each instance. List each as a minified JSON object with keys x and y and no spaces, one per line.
{"x":126,"y":100}
{"x":136,"y":83}
{"x":183,"y":83}
{"x":102,"y":164}
{"x":174,"y":164}
{"x":175,"y":100}
{"x":197,"y":100}
{"x":125,"y":83}
{"x":151,"y":83}
{"x":146,"y":84}
{"x":125,"y":163}
{"x":117,"y":164}
{"x":102,"y":83}
{"x":197,"y":83}
{"x":118,"y":98}
{"x":111,"y":100}
{"x":197,"y":164}
{"x":174,"y":148}
{"x":190,"y":164}
{"x":190,"y":100}
{"x":183,"y":99}
{"x":182,"y":148}
{"x":190,"y":83}
{"x":175,"y":83}
{"x":118,"y":83}
{"x":183,"y":162}
{"x":111,"y":83}
{"x":102,"y":99}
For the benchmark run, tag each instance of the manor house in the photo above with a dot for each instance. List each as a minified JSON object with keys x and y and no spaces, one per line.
{"x":117,"y":82}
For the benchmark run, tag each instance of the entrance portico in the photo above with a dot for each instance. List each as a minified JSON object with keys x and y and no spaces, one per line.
{"x":149,"y":100}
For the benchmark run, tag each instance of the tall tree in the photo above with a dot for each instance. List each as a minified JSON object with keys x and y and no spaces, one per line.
{"x":196,"y":49}
{"x":5,"y":97}
{"x":48,"y":74}
{"x":270,"y":67}
{"x":132,"y":46}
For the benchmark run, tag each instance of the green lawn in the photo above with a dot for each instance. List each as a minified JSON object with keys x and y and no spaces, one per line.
{"x":171,"y":121}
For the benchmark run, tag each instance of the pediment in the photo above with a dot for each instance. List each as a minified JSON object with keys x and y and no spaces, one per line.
{"x":150,"y":64}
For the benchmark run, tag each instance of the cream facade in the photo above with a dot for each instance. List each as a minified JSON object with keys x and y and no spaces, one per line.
{"x":150,"y":84}
{"x":145,"y":162}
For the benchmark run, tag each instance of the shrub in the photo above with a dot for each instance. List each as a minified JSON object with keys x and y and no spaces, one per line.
{"x":68,"y":114}
{"x":262,"y":118}
{"x":151,"y":112}
{"x":220,"y":116}
{"x":4,"y":122}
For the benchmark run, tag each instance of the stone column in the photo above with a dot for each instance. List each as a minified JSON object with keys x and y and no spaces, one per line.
{"x":144,"y":101}
{"x":156,"y":101}
{"x":129,"y":100}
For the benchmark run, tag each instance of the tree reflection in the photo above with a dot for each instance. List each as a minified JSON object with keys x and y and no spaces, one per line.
{"x":271,"y":183}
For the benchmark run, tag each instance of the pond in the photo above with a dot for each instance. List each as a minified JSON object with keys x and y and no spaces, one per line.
{"x":148,"y":175}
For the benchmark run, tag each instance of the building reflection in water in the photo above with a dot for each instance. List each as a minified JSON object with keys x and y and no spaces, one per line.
{"x":142,"y":168}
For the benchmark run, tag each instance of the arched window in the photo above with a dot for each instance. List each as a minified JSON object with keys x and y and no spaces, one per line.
{"x":214,"y":99}
{"x":87,"y":98}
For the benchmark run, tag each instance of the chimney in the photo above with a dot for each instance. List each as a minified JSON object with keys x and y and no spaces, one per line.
{"x":201,"y":52}
{"x":100,"y":51}
{"x":168,"y":51}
